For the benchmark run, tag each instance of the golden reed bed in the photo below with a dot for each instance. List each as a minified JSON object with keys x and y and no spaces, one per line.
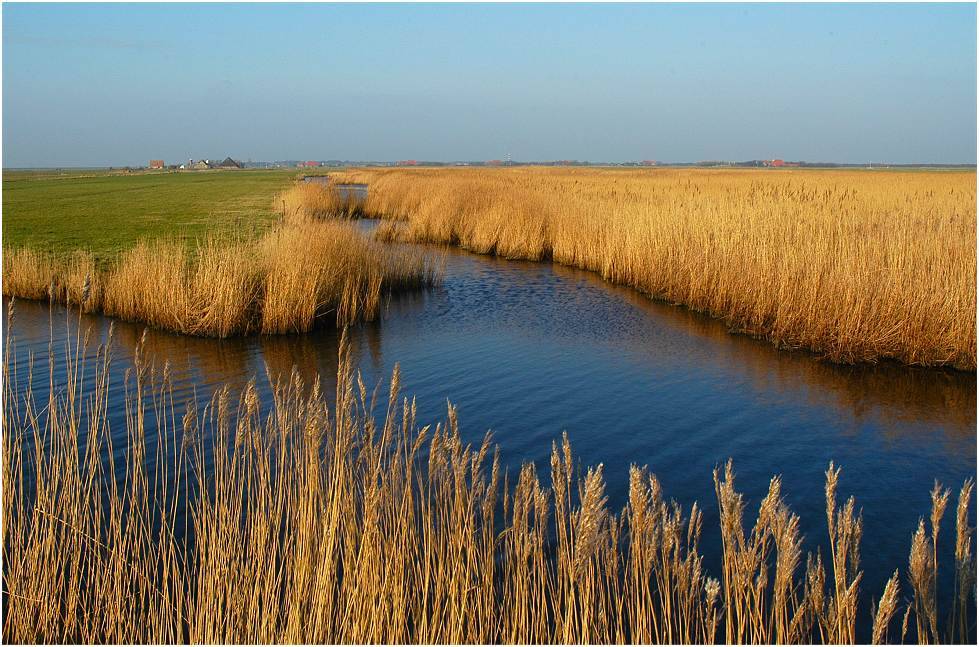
{"x":325,"y":525}
{"x":853,"y":265}
{"x":287,"y":281}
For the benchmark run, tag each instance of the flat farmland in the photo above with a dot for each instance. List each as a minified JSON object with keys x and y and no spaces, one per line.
{"x":104,"y":212}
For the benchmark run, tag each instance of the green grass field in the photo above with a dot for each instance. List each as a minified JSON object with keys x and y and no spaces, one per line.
{"x":106,"y":212}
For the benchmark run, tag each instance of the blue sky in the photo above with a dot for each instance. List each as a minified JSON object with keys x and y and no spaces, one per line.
{"x":120,"y":84}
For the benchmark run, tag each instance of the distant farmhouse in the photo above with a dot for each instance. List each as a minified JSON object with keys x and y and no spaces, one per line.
{"x":156,"y":164}
{"x":201,"y":165}
{"x":777,"y":163}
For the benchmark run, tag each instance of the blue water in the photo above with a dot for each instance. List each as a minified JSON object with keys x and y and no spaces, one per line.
{"x":532,"y":350}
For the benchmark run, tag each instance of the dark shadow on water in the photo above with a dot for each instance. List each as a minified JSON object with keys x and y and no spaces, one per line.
{"x":530,"y":350}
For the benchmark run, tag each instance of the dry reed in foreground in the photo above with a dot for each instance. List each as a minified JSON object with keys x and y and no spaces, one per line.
{"x":287,"y":281}
{"x":853,"y":265}
{"x":328,"y":526}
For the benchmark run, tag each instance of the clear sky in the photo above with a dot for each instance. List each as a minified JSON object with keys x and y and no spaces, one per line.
{"x":120,"y":84}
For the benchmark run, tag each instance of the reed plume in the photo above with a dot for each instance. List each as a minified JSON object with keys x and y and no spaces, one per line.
{"x":312,"y":520}
{"x":855,"y":266}
{"x":289,"y":280}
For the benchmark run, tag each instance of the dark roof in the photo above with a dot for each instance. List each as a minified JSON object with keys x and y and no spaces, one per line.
{"x":229,"y":163}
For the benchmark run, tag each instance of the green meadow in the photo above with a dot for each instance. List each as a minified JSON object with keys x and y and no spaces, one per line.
{"x":105,"y":212}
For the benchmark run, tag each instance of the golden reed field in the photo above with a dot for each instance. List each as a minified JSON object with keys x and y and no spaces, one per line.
{"x":325,"y":525}
{"x":286,"y":281}
{"x":854,"y":265}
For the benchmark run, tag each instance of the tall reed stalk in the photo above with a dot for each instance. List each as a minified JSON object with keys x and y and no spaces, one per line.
{"x":307,"y":201}
{"x":297,"y":521}
{"x":289,"y":280}
{"x":856,"y":266}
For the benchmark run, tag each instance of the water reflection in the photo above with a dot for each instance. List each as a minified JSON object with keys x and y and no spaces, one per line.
{"x":484,"y":298}
{"x":345,"y":190}
{"x":889,"y":394}
{"x":530,"y":350}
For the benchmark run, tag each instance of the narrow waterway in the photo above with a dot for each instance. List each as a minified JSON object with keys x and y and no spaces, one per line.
{"x":530,"y":350}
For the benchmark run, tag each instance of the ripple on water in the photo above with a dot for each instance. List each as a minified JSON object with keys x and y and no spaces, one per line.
{"x":531,"y":350}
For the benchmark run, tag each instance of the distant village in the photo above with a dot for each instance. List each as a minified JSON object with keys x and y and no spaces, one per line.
{"x":195,"y":165}
{"x":229,"y":163}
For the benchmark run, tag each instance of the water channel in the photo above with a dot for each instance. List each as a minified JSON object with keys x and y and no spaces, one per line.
{"x":531,"y":350}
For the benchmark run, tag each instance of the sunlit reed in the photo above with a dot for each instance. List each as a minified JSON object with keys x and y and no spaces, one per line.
{"x":854,"y":265}
{"x":289,"y":280}
{"x":324,"y":523}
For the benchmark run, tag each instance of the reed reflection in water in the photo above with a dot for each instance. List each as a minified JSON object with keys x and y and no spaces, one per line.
{"x":530,"y":350}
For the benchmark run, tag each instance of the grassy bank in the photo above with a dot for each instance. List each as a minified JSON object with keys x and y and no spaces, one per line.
{"x":287,"y":280}
{"x":108,"y":213}
{"x":853,"y":265}
{"x":324,"y":525}
{"x":215,"y":253}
